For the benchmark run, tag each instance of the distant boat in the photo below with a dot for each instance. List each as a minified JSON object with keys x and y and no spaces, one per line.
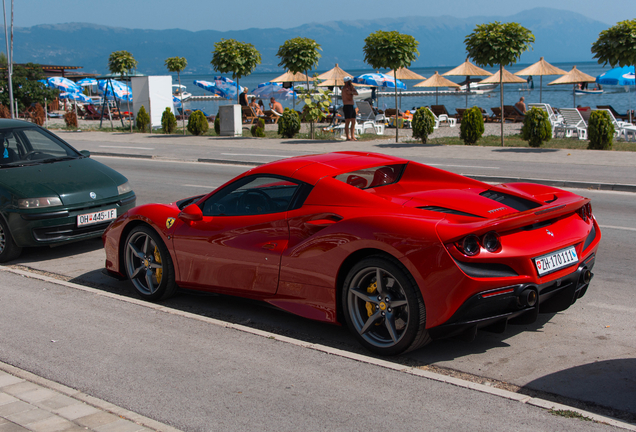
{"x":476,"y":87}
{"x":179,"y":91}
{"x":586,"y":91}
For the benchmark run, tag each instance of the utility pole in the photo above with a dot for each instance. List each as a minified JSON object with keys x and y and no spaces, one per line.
{"x":9,"y":55}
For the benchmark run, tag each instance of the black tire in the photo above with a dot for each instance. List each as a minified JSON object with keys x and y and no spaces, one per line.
{"x":387,"y":318}
{"x":148,"y":264}
{"x":8,"y":249}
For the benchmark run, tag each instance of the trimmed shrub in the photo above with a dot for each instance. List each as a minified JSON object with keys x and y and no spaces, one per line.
{"x":600,"y":131}
{"x":289,"y":123}
{"x":423,"y":124}
{"x":472,"y":126}
{"x":217,"y":124}
{"x":4,"y":112}
{"x":38,"y":115}
{"x":258,"y":128}
{"x":168,"y":121}
{"x":536,"y":127}
{"x":143,"y":119}
{"x":198,"y":123}
{"x":70,"y":119}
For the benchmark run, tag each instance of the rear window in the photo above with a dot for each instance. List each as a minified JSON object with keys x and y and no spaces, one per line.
{"x":373,"y":177}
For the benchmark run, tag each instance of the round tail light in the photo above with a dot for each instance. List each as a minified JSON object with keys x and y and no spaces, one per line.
{"x":491,"y":242}
{"x":470,"y":245}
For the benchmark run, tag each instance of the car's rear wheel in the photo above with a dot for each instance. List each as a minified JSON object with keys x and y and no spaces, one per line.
{"x":148,"y":264}
{"x":383,"y":307}
{"x":8,"y":249}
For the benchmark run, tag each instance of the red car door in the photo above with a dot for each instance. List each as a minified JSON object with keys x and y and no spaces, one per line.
{"x":238,"y":244}
{"x":231,"y":252}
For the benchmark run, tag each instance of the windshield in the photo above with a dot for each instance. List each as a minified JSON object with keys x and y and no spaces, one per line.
{"x":31,"y":146}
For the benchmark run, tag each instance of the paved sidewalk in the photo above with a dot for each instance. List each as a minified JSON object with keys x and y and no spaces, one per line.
{"x":31,"y":403}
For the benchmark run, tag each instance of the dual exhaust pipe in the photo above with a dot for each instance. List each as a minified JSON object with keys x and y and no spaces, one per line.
{"x":529,"y":297}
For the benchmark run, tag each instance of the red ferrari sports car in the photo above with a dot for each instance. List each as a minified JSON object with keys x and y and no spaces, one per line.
{"x":399,"y":251}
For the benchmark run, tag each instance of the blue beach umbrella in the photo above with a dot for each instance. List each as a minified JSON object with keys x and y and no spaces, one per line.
{"x":79,"y":97}
{"x":64,"y":84}
{"x":86,"y":82}
{"x":227,"y":87}
{"x":206,"y":85}
{"x":378,"y":80}
{"x":623,"y":76}
{"x":275,"y":90}
{"x":121,"y":90}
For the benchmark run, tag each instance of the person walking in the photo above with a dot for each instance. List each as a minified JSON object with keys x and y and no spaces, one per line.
{"x":348,"y":92}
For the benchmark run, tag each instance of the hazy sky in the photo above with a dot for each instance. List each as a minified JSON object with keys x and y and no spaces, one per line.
{"x":236,"y":15}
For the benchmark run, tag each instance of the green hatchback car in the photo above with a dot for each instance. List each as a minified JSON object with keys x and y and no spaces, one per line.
{"x":51,"y":193}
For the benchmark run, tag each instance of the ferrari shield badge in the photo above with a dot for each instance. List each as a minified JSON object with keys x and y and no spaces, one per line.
{"x":169,"y":222}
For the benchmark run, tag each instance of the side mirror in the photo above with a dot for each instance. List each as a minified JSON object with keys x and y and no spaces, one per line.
{"x":191,"y":213}
{"x":85,"y":153}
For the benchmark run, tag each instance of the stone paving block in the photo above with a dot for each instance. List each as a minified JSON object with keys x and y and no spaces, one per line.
{"x":6,"y":399}
{"x":7,"y":379}
{"x":56,"y":402}
{"x":19,"y":388}
{"x":30,"y":416}
{"x":52,"y":424}
{"x":12,"y":427}
{"x":37,"y":395}
{"x":98,"y":419}
{"x":14,"y":408}
{"x":120,"y":425}
{"x":77,"y":410}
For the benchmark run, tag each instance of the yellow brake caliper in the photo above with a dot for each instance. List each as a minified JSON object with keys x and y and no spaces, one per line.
{"x":371,"y":289}
{"x":158,"y":260}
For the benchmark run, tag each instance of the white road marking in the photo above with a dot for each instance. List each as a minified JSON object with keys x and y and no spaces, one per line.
{"x":619,"y":308}
{"x":462,"y":166}
{"x":200,"y":186}
{"x":617,"y":227}
{"x":255,"y":154}
{"x":125,"y":147}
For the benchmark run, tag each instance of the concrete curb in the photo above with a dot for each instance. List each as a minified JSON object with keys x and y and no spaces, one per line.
{"x":540,"y":403}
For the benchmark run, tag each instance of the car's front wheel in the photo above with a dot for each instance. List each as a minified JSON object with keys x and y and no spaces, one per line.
{"x":383,"y":307}
{"x":148,"y":264}
{"x":8,"y":249}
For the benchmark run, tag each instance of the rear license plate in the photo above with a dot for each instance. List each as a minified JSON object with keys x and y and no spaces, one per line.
{"x":93,"y":218}
{"x":556,"y":260}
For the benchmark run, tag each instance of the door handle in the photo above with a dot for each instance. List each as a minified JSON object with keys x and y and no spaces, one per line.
{"x":270,"y":246}
{"x":325,"y":221}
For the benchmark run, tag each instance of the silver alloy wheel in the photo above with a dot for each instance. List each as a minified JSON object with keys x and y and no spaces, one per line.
{"x":380,"y":315}
{"x":141,"y":265}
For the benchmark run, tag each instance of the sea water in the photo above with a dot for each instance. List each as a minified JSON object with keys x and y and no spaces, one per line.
{"x":560,"y":96}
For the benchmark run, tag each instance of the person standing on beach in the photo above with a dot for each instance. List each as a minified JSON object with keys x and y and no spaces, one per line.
{"x":348,"y":91}
{"x":243,"y":97}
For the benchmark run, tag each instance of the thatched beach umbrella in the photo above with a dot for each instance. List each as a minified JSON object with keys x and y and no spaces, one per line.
{"x":541,"y":68}
{"x":336,"y":74}
{"x":467,"y":69}
{"x":575,"y":76}
{"x":507,"y":78}
{"x":291,"y":78}
{"x":405,"y":74}
{"x":437,"y":81}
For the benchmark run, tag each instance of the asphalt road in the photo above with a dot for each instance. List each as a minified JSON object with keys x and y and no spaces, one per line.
{"x":585,"y":353}
{"x":198,"y":376}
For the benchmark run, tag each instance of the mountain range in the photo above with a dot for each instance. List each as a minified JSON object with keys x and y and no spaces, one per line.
{"x":560,"y":36}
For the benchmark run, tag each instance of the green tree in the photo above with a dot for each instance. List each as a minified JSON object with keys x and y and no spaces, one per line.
{"x":472,"y":126}
{"x":499,"y":44}
{"x":423,"y":124}
{"x":617,"y":45}
{"x":26,"y":88}
{"x":239,"y":58}
{"x":600,"y":131}
{"x":390,"y":50}
{"x":177,"y":64}
{"x":300,"y":55}
{"x":122,"y":63}
{"x":536,"y":127}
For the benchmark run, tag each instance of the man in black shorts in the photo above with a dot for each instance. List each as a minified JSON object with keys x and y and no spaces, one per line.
{"x":348,"y":91}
